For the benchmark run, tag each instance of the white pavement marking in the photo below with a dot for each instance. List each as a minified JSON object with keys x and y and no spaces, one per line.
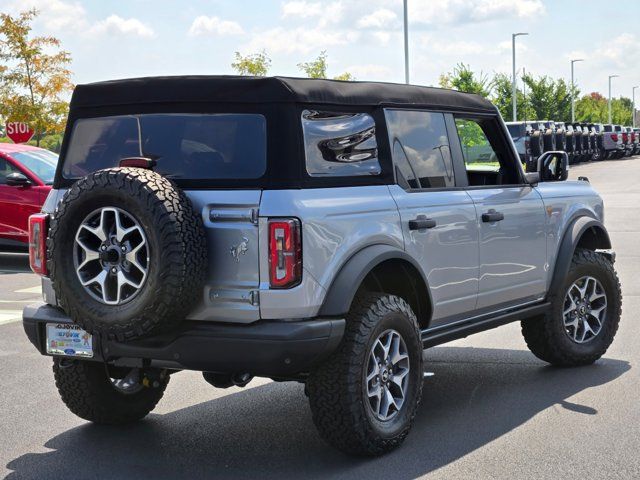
{"x":9,"y":316}
{"x":36,"y":289}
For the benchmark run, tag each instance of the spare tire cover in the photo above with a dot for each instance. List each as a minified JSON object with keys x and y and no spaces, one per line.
{"x":126,"y":254}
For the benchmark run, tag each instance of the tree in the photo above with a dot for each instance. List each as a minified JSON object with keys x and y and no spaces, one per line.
{"x":503,"y":98}
{"x":34,"y":76}
{"x":549,"y":99}
{"x":463,"y":79}
{"x":256,"y":64}
{"x":318,"y":68}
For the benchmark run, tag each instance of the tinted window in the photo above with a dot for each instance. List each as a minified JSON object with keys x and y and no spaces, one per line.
{"x":215,"y":146}
{"x":420,"y":148}
{"x":476,"y":148}
{"x":340,"y":144}
{"x":5,"y":169}
{"x":516,"y":130}
{"x":41,"y":162}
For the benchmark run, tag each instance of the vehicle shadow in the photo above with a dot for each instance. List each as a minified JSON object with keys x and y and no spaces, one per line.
{"x":476,"y":396}
{"x":14,"y":263}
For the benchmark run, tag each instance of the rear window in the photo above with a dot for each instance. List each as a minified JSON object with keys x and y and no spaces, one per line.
{"x":185,"y":146}
{"x":516,"y":130}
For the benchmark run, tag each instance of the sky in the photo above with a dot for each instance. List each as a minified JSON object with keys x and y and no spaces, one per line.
{"x":111,"y":39}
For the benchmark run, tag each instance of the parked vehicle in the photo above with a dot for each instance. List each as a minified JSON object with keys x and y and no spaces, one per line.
{"x":612,"y":141}
{"x":548,"y":135}
{"x":307,"y":230}
{"x":591,"y":139}
{"x":573,"y":144}
{"x":26,"y":174}
{"x":528,"y":143}
{"x":634,"y":141}
{"x":598,"y":130}
{"x":637,"y":133}
{"x":582,"y":135}
{"x":558,"y":129}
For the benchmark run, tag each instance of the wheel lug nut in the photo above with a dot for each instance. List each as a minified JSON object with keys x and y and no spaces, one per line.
{"x":103,"y":248}
{"x":114,"y":270}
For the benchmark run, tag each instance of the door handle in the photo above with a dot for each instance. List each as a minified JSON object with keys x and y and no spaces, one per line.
{"x":492,"y":216}
{"x":421,"y":222}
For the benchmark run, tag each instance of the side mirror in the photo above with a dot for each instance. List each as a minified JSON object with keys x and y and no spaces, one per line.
{"x":553,"y":166}
{"x":17,"y":179}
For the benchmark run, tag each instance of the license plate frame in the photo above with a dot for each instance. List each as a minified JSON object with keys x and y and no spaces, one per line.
{"x":68,"y":340}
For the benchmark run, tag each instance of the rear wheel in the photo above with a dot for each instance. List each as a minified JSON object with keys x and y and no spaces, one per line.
{"x":584,"y":316}
{"x":364,"y":398}
{"x":108,"y":395}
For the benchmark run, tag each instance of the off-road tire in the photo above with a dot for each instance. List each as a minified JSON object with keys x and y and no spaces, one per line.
{"x":177,"y":253}
{"x":88,"y":392}
{"x":549,"y":139}
{"x":536,"y":143}
{"x":546,"y":336}
{"x":337,"y":388}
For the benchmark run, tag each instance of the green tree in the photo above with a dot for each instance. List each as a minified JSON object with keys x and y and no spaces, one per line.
{"x":463,"y":79}
{"x":502,"y":97}
{"x":34,"y":76}
{"x":256,"y":64}
{"x":318,"y":68}
{"x":595,"y":108}
{"x":549,"y":99}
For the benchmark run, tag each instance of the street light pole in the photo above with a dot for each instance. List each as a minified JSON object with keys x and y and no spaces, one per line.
{"x":573,"y":87}
{"x":513,"y":52}
{"x":610,"y":77}
{"x":406,"y":43}
{"x":633,"y":109}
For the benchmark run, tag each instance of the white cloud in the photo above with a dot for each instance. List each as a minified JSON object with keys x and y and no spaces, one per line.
{"x":326,"y":13}
{"x":116,"y":25}
{"x":380,"y":18}
{"x":298,"y":40}
{"x":204,"y":25}
{"x":382,"y":37}
{"x":462,"y":11}
{"x":55,"y":15}
{"x":370,"y":72}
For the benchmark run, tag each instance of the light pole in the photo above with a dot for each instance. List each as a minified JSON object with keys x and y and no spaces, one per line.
{"x":513,"y":51}
{"x":633,"y":109}
{"x":406,"y":43}
{"x":610,"y":77}
{"x":573,"y":87}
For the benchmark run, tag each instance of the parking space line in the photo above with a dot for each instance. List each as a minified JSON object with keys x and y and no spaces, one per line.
{"x":9,"y":316}
{"x":36,"y":289}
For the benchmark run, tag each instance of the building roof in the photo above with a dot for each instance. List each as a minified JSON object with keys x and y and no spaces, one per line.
{"x":237,"y":89}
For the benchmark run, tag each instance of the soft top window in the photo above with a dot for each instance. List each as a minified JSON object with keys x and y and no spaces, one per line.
{"x":340,"y":144}
{"x":184,"y":146}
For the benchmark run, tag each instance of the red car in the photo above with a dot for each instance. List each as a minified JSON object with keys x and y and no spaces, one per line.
{"x":26,"y":175}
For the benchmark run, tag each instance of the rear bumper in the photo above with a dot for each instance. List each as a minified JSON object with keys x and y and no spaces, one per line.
{"x":264,"y":348}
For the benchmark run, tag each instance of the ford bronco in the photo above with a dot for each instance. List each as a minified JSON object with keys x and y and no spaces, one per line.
{"x":317,"y":231}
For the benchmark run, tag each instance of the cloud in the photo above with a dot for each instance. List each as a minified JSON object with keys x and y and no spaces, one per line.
{"x":116,"y":25}
{"x":326,"y":12}
{"x":204,"y":25}
{"x":380,"y":18}
{"x":464,"y":11}
{"x":370,"y":72}
{"x":298,"y":40}
{"x":54,"y":14}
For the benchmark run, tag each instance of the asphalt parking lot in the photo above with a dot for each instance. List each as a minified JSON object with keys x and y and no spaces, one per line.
{"x":491,"y":410}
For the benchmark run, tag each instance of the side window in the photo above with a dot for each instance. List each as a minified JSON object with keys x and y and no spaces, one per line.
{"x":420,"y":148}
{"x":340,"y":144}
{"x":5,"y":169}
{"x":485,"y":154}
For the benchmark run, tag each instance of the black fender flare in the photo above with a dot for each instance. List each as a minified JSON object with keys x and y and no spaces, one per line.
{"x":572,"y":236}
{"x":343,"y":289}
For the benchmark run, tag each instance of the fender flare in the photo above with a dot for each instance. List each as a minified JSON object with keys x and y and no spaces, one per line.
{"x":343,"y":289}
{"x":572,"y":236}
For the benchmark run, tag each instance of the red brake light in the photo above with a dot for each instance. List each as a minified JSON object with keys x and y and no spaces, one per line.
{"x":38,"y":226}
{"x":285,"y":253}
{"x":614,"y":137}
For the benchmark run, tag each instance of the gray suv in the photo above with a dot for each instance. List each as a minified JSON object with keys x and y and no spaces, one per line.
{"x":316,"y":231}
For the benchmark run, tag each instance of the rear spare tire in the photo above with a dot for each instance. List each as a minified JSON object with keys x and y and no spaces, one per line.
{"x":126,"y":253}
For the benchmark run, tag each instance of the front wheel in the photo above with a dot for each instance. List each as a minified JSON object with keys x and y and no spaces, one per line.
{"x":584,"y":316}
{"x":108,"y":395}
{"x":364,"y":398}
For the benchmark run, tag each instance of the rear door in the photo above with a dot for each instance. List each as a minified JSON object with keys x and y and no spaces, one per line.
{"x":511,"y":217}
{"x":438,"y":219}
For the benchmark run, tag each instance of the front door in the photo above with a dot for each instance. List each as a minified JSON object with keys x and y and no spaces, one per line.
{"x":438,"y":220}
{"x":511,"y":218}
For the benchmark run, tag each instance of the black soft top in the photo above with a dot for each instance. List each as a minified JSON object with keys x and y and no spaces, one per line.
{"x":247,"y":90}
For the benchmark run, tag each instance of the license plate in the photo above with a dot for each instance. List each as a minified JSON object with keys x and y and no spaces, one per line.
{"x":69,"y":340}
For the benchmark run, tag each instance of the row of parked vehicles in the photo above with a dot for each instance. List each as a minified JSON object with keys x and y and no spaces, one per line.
{"x":583,"y":142}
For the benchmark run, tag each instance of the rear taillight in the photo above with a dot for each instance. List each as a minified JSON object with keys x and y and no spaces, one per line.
{"x":285,"y":253}
{"x":614,"y":137}
{"x":625,"y":137}
{"x":38,"y":225}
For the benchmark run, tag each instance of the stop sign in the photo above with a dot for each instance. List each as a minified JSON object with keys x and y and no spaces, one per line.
{"x":19,"y":132}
